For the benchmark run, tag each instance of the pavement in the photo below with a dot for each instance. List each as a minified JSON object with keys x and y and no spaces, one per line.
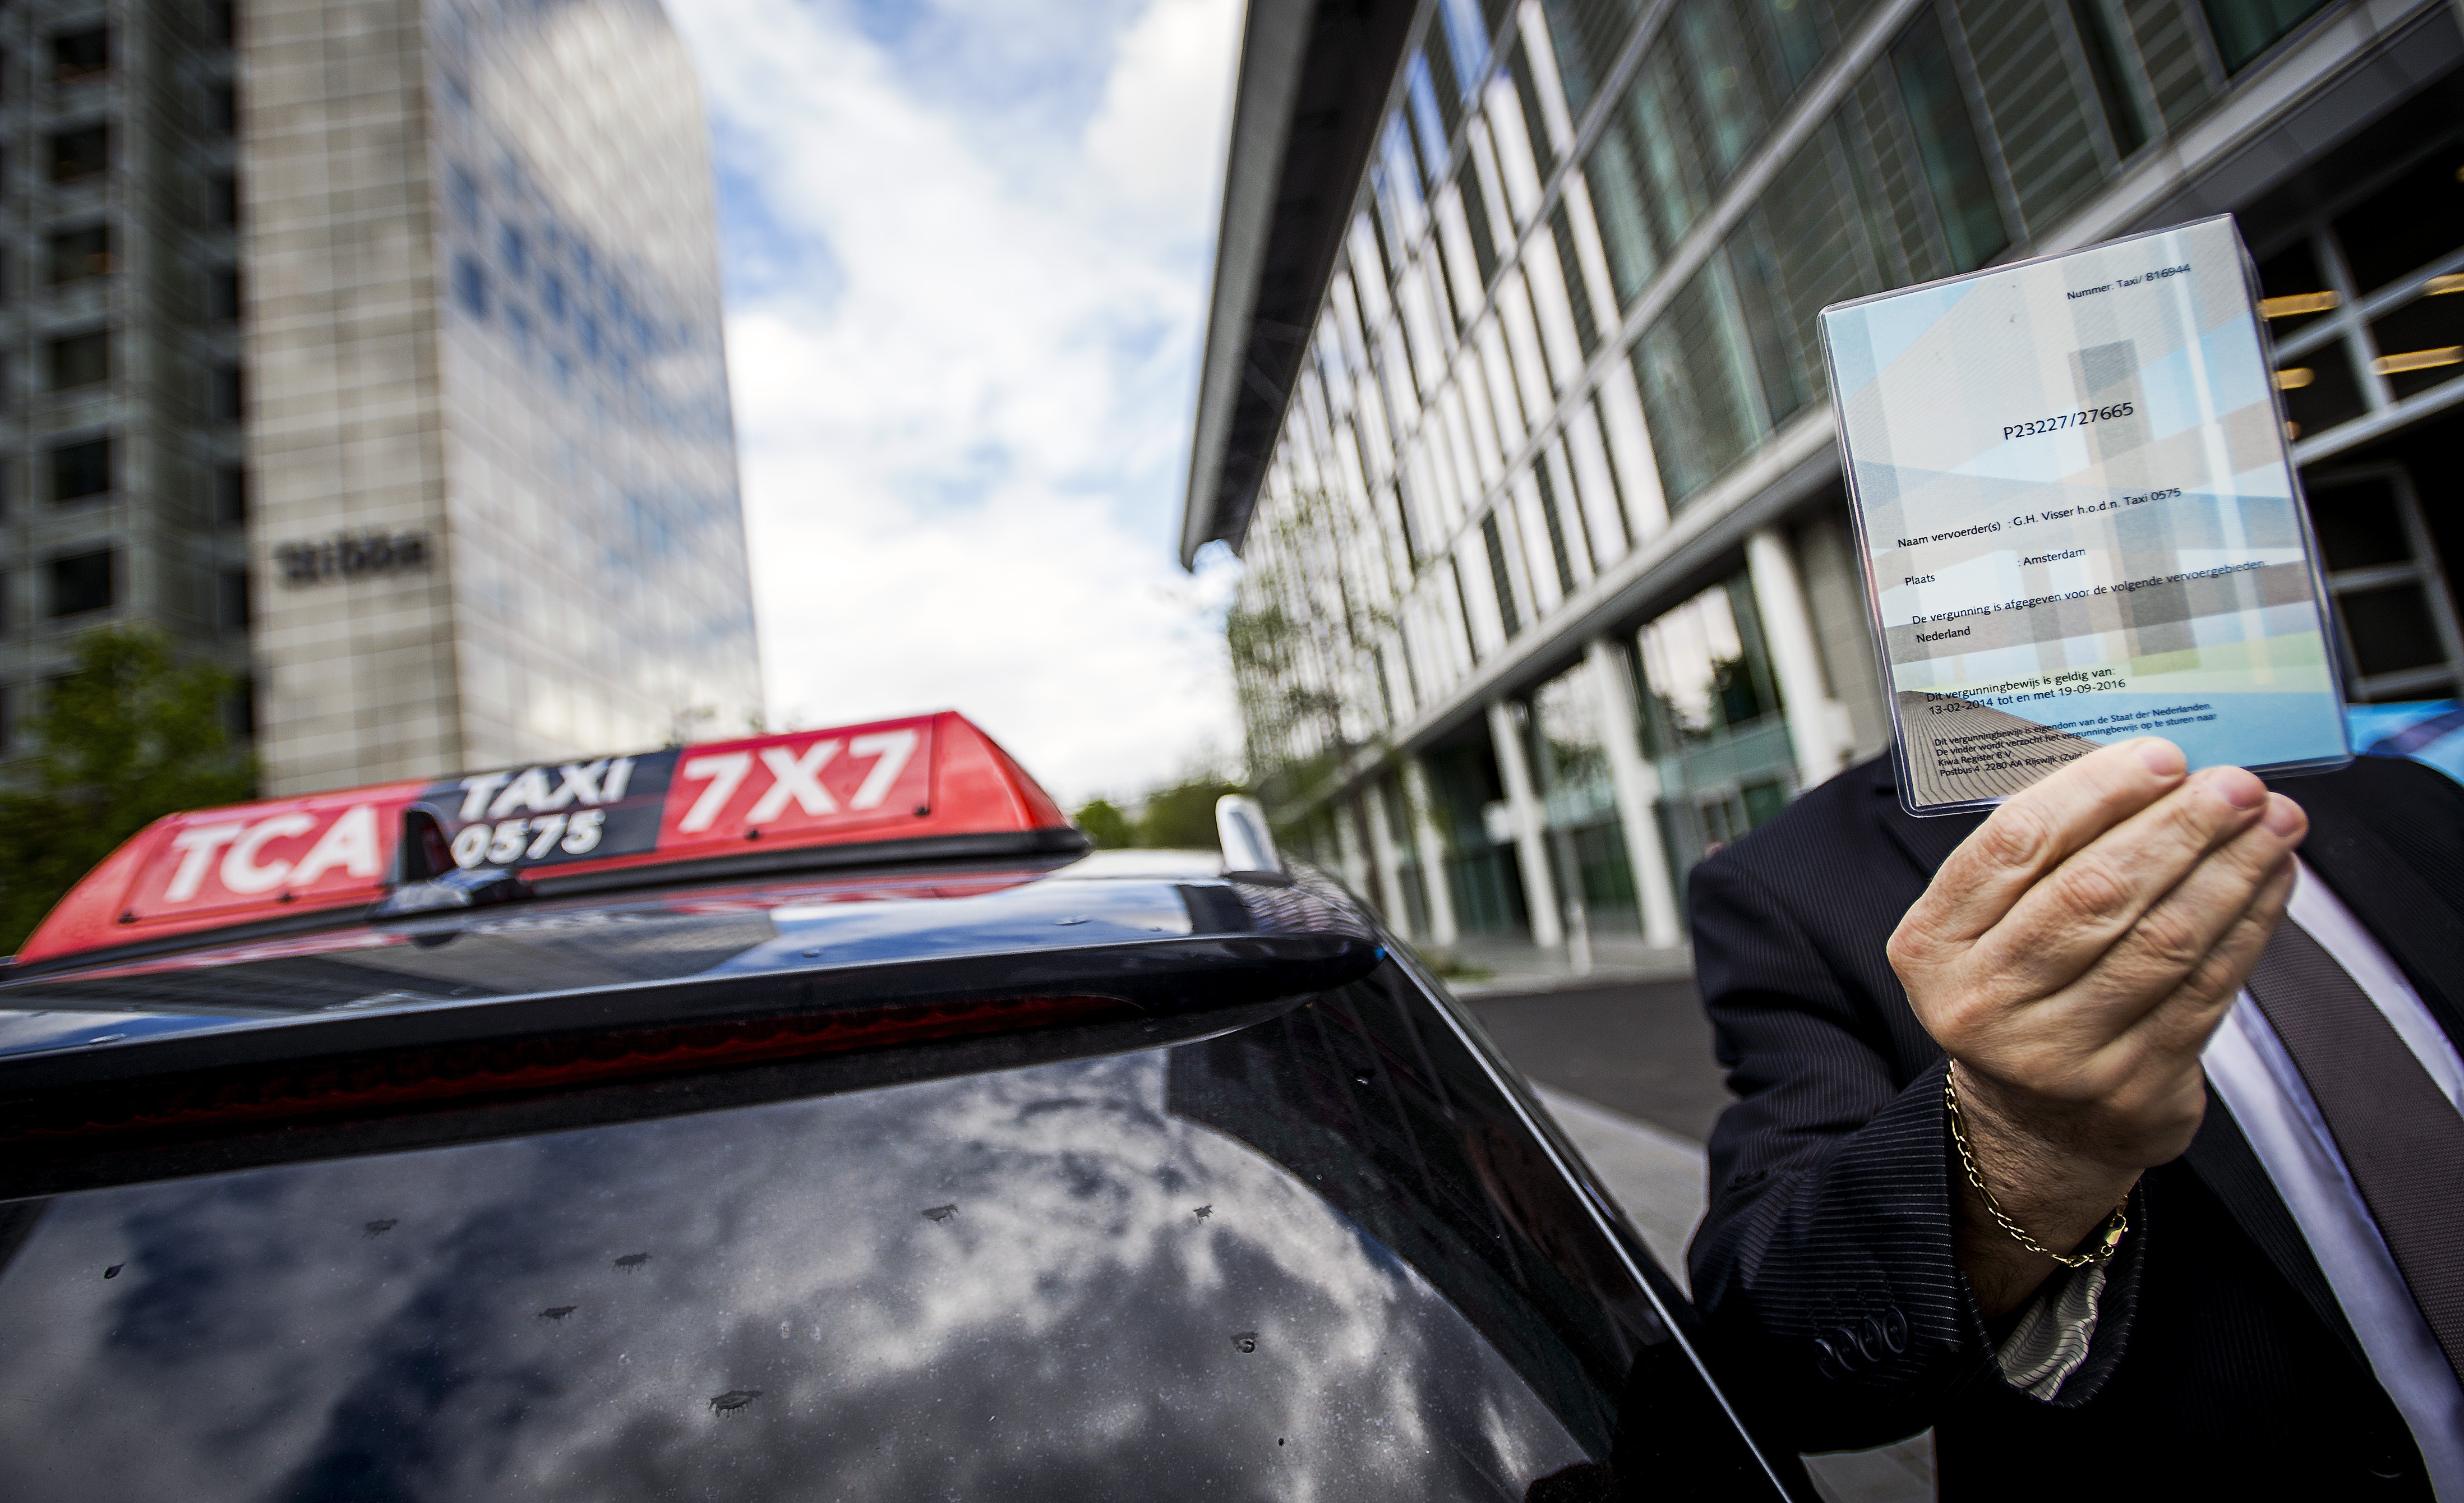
{"x":1484,"y":965}
{"x":1622,"y":1059}
{"x":1641,"y":1048}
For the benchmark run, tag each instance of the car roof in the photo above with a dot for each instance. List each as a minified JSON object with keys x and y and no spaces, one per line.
{"x":822,"y":925}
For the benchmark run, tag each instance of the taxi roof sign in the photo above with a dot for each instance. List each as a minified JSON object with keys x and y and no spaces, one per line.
{"x":928,"y":785}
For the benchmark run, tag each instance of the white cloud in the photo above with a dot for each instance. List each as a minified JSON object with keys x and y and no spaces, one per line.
{"x":962,"y":328}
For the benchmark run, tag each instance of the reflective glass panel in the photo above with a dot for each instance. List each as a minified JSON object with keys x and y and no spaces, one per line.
{"x":1955,"y":165}
{"x":1712,"y":721}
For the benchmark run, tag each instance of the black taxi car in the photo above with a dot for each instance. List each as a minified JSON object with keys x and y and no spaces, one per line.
{"x":811,"y":1117}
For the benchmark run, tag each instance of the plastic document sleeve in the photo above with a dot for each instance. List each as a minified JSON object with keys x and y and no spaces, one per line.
{"x":2080,"y":517}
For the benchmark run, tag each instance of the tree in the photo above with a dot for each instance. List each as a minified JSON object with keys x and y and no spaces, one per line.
{"x":1106,"y":825}
{"x":125,"y":737}
{"x":1182,"y":816}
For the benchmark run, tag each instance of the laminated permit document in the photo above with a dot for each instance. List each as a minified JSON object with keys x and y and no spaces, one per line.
{"x":2080,"y":519}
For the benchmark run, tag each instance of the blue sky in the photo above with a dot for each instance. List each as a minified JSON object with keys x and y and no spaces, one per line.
{"x":967,"y":244}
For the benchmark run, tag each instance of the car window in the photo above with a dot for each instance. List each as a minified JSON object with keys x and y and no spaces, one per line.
{"x":1314,"y":1254}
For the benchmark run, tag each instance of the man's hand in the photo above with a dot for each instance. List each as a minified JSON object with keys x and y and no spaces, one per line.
{"x":2071,"y":957}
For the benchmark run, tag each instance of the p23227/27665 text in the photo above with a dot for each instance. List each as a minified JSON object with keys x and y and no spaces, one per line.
{"x":2078,"y":419}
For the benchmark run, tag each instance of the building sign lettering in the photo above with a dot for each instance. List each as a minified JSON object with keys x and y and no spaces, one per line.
{"x":350,"y":555}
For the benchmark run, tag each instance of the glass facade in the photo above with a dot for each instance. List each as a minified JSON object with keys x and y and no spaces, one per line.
{"x":441,"y":290}
{"x":491,"y":343}
{"x":2365,"y":291}
{"x":1712,"y":722}
{"x":1570,"y":764}
{"x":116,"y":315}
{"x":1576,"y":308}
{"x":598,"y":547}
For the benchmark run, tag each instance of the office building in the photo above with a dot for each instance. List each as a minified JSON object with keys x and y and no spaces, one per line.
{"x":373,"y":348}
{"x":1512,"y":400}
{"x":120,"y":444}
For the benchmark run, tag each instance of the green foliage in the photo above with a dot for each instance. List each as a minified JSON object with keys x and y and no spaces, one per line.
{"x":1311,"y":631}
{"x":1182,"y":817}
{"x":1106,"y":825}
{"x":126,"y":737}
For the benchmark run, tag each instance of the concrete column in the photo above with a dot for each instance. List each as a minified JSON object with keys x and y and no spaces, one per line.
{"x":1347,"y":842}
{"x":1389,"y":860}
{"x":1431,"y":843}
{"x":1531,"y":843}
{"x":1637,"y":789}
{"x":1797,"y":660}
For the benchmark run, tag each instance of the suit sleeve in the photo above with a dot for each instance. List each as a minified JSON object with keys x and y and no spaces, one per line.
{"x":1824,"y":1266}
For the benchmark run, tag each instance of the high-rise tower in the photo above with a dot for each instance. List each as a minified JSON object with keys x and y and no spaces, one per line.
{"x":373,"y":347}
{"x":122,"y":477}
{"x":495,"y":502}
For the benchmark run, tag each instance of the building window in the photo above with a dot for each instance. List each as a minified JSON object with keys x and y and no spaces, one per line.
{"x":2364,"y":311}
{"x":78,"y":360}
{"x":222,"y":200}
{"x":2412,"y":221}
{"x":1720,"y":66}
{"x":1559,"y":552}
{"x":222,"y":294}
{"x":1578,"y":292}
{"x":82,"y":153}
{"x":1579,"y":801}
{"x":471,"y":286}
{"x":223,"y":399}
{"x":84,"y":582}
{"x":1803,"y":245}
{"x":1662,"y":135}
{"x":81,"y":55}
{"x":2113,"y":92}
{"x":231,"y":599}
{"x":2400,"y":639}
{"x":75,"y":255}
{"x":1588,"y":35}
{"x":1693,"y":367}
{"x":2244,"y":28}
{"x":80,"y":470}
{"x":231,"y":494}
{"x":1507,"y":616}
{"x":1954,"y":167}
{"x":1712,"y":722}
{"x":222,"y":108}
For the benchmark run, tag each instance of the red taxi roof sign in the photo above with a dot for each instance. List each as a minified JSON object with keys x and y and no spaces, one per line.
{"x":924,"y":779}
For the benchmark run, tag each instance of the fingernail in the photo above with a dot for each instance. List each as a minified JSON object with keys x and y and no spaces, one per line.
{"x":2283,"y":816}
{"x":2237,"y":788}
{"x":2162,"y":757}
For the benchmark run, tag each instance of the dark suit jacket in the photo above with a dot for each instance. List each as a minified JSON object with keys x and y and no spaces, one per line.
{"x":2222,"y":1363}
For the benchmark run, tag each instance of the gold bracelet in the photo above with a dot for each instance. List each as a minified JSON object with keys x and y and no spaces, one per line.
{"x":2114,"y":1225}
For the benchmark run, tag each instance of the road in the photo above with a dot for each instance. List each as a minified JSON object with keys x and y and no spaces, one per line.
{"x":1643,"y":1049}
{"x":1642,"y":1052}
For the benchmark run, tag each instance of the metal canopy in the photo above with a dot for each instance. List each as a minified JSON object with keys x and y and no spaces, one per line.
{"x":1314,"y":77}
